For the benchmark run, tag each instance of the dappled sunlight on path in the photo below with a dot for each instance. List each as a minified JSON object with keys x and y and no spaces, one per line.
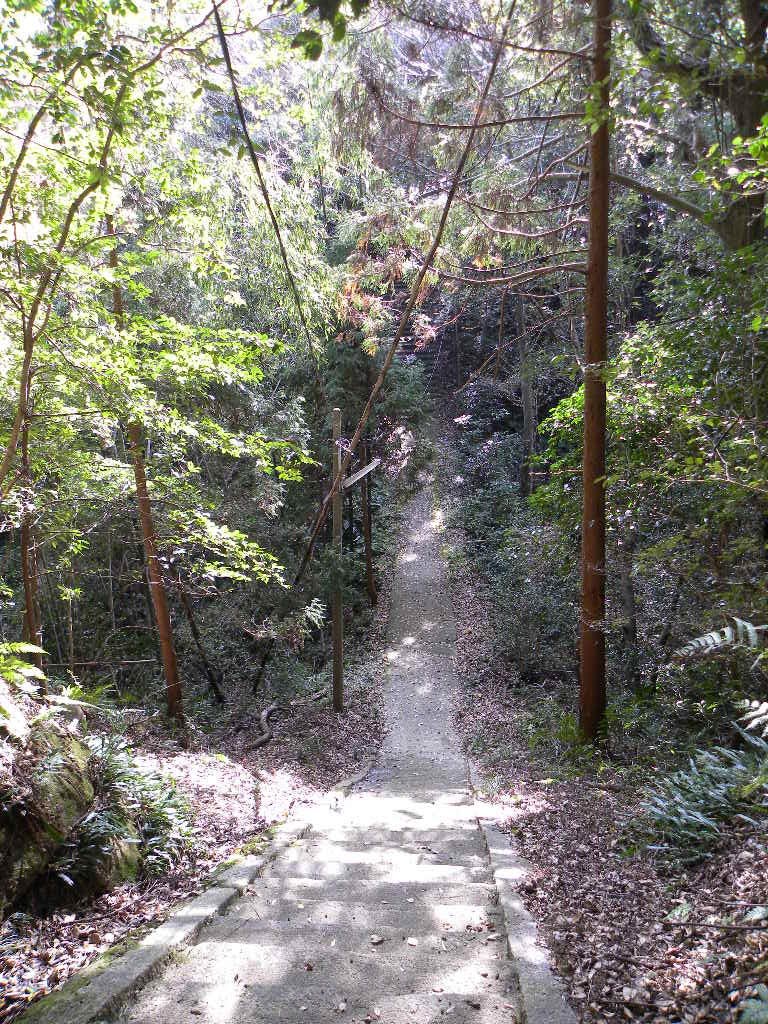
{"x":385,"y":910}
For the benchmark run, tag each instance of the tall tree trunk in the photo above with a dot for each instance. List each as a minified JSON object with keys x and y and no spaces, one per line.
{"x":529,"y":406}
{"x":32,"y":629}
{"x":154,"y":574}
{"x":592,"y":633}
{"x":156,"y":585}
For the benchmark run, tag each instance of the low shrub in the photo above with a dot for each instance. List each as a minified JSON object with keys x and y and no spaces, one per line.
{"x":683,"y":816}
{"x":139,"y":825}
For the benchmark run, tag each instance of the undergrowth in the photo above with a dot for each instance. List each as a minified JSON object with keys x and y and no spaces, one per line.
{"x":133,"y":808}
{"x":685,"y":815}
{"x":676,"y":720}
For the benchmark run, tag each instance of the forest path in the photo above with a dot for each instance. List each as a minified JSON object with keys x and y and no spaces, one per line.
{"x":386,"y":910}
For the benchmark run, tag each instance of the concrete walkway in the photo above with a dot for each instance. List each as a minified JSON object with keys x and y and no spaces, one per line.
{"x":388,"y":909}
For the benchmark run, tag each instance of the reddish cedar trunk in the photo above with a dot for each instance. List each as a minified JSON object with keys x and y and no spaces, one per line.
{"x":156,"y":585}
{"x":592,"y":641}
{"x":154,"y":575}
{"x":32,"y":629}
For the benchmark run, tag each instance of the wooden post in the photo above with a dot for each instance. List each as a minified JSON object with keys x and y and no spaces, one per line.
{"x":592,"y":694}
{"x":365,"y":496}
{"x":351,"y":520}
{"x":501,"y":333}
{"x":337,"y":603}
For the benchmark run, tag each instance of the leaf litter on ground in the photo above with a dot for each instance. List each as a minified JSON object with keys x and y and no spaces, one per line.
{"x":633,"y":939}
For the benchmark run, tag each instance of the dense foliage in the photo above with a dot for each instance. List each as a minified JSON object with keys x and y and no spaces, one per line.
{"x":181,"y":307}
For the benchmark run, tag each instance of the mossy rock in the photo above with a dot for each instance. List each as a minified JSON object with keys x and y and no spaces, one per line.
{"x":121,"y":862}
{"x":49,"y":794}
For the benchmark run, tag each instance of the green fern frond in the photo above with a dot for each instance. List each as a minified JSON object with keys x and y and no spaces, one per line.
{"x":12,"y":647}
{"x":742,"y":635}
{"x":17,"y":672}
{"x":683,"y":815}
{"x":756,"y":716}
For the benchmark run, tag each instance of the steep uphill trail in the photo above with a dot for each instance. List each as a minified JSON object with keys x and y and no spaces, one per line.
{"x":388,"y":908}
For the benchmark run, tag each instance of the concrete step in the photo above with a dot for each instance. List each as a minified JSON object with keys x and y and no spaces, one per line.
{"x":393,"y":967}
{"x":440,"y":851}
{"x":246,"y":1006}
{"x":411,"y":936}
{"x":388,"y":920}
{"x":300,"y":889}
{"x":248,"y":981}
{"x":418,"y":784}
{"x":405,"y":839}
{"x":296,"y":865}
{"x":407,"y":810}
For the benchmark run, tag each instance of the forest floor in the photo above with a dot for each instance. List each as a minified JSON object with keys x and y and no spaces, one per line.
{"x":634,"y":940}
{"x":236,"y":795}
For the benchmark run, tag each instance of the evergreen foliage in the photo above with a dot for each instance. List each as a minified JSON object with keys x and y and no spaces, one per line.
{"x":143,"y":294}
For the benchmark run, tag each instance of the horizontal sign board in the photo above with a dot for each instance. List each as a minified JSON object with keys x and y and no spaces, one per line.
{"x":352,"y":480}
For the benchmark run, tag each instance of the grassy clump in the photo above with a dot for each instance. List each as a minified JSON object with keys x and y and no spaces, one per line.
{"x":684,"y":815}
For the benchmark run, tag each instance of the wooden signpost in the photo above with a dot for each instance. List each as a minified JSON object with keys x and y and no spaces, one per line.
{"x":361,"y":474}
{"x":337,"y":603}
{"x":337,"y":596}
{"x":365,"y":496}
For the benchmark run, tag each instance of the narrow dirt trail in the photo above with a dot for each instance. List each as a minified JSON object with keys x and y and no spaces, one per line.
{"x":386,"y":910}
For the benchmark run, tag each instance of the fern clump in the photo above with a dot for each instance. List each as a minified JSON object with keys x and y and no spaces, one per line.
{"x":683,"y":816}
{"x":139,"y":824}
{"x":741,"y":636}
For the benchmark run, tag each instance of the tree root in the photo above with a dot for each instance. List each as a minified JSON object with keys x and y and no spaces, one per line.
{"x":266,"y":728}
{"x":273,"y":709}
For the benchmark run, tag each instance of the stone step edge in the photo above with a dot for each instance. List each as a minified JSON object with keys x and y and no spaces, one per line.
{"x":302,"y":886}
{"x":541,"y":993}
{"x":104,"y":986}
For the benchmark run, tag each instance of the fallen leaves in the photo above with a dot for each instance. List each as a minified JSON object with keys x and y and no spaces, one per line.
{"x":633,"y":943}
